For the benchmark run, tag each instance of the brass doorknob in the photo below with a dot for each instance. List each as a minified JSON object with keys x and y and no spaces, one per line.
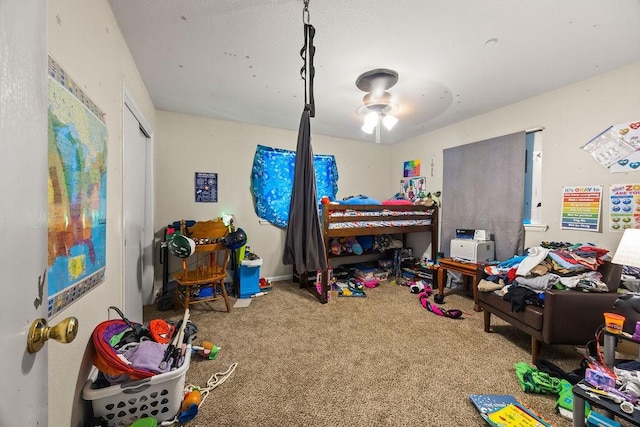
{"x":39,"y":333}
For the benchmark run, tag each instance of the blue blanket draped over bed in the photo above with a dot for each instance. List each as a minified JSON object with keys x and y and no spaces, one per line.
{"x":272,"y":181}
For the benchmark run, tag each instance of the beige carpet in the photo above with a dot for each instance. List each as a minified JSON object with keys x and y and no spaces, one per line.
{"x":374,"y":361}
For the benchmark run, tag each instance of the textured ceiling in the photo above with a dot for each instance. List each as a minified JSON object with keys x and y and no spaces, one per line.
{"x":239,"y":59}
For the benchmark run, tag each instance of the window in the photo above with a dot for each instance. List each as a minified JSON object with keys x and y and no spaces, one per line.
{"x":532,"y":215}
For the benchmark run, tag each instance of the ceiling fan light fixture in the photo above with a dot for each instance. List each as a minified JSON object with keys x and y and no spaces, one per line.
{"x":389,"y":121}
{"x":369,"y":127}
{"x":378,"y":104}
{"x":371,"y":118}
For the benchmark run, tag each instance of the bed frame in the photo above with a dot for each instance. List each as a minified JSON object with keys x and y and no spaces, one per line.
{"x":365,"y":220}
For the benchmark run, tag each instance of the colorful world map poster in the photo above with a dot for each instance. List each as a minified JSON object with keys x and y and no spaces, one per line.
{"x":77,"y":145}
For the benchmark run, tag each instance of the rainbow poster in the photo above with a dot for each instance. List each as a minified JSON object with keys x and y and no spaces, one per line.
{"x":581,"y":208}
{"x":411,"y":168}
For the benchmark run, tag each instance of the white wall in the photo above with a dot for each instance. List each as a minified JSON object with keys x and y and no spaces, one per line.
{"x":571,"y":116}
{"x":188,"y":144}
{"x":86,"y":41}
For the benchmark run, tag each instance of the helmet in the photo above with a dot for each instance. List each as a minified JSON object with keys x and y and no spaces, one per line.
{"x":181,"y":246}
{"x":235,"y":240}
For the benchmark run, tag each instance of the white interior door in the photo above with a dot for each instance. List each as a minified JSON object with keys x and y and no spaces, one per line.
{"x":23,"y":211}
{"x":135,"y":152}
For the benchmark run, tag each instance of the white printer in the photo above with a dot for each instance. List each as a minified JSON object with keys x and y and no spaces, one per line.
{"x":473,"y":250}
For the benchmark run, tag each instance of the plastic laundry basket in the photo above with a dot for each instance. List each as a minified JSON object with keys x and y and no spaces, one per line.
{"x":158,"y":397}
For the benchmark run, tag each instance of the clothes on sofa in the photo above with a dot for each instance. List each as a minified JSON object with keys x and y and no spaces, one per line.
{"x":585,"y":256}
{"x":521,"y":296}
{"x":534,"y":257}
{"x":585,"y":281}
{"x":542,"y":268}
{"x":539,"y":283}
{"x":485,"y":285}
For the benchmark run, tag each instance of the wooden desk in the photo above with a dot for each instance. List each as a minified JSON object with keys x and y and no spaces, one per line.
{"x":468,"y":269}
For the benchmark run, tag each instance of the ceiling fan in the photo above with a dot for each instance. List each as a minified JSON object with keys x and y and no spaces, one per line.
{"x":378,"y":107}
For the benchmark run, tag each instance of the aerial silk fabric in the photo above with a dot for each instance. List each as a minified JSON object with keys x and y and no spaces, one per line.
{"x":272,"y":182}
{"x":304,"y":245}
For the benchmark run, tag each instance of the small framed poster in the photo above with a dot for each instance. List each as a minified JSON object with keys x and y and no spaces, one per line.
{"x":206,"y":187}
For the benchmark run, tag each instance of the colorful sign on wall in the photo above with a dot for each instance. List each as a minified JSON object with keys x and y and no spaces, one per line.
{"x":624,"y":207}
{"x":411,"y":168}
{"x":581,"y":208}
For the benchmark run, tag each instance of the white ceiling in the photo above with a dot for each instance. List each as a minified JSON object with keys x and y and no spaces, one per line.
{"x":239,"y":59}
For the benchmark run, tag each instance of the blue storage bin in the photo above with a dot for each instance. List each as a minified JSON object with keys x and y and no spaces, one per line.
{"x":249,"y":277}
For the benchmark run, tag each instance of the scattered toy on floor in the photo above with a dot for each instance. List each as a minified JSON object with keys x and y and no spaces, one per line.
{"x":207,"y":350}
{"x":417,"y":287}
{"x":424,"y":300}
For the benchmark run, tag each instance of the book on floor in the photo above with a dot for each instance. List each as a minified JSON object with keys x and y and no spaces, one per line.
{"x":485,"y":403}
{"x":504,"y":410}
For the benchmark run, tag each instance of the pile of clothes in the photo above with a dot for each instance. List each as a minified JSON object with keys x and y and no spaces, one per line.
{"x":524,"y":278}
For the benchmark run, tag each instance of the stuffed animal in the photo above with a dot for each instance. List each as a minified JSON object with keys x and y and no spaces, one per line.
{"x":351,"y":245}
{"x":335,"y":247}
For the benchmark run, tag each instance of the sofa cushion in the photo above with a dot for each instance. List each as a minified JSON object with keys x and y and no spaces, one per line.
{"x":531,"y":315}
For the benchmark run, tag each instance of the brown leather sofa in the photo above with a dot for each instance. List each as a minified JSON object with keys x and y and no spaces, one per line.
{"x":568,"y":317}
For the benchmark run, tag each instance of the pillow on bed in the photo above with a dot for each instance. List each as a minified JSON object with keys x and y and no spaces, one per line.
{"x":360,"y":199}
{"x":397,"y":202}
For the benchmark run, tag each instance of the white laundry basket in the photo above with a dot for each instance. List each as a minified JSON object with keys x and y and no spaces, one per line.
{"x":158,"y":397}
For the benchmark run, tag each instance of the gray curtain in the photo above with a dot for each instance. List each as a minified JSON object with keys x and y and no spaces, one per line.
{"x":304,"y":245}
{"x":483,"y":189}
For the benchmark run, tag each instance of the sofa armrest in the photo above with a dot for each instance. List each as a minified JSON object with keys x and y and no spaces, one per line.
{"x":572,"y":317}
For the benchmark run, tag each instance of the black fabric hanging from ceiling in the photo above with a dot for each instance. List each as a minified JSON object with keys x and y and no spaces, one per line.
{"x":304,"y":245}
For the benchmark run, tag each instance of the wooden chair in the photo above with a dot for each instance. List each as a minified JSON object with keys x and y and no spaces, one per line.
{"x":203,"y":273}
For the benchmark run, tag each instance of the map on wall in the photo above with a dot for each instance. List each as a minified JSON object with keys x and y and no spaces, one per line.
{"x":77,"y":146}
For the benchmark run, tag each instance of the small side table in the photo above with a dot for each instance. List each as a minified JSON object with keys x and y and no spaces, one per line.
{"x":611,"y":409}
{"x":469,"y":270}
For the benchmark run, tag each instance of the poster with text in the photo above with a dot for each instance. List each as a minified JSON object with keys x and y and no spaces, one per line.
{"x":624,"y":207}
{"x":581,"y":208}
{"x":206,"y":187}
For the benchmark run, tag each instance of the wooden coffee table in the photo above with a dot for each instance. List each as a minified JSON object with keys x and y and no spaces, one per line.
{"x":469,"y":270}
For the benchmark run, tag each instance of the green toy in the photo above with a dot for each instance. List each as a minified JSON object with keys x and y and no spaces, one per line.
{"x":533,"y":380}
{"x":564,"y":404}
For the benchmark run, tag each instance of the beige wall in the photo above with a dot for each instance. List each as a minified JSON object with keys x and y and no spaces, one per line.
{"x":188,"y":144}
{"x":571,"y":116}
{"x":86,"y":41}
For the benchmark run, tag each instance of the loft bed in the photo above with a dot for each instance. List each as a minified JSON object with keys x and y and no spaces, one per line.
{"x":364,"y":220}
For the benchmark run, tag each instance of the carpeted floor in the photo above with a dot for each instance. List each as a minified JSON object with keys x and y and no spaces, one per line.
{"x":374,"y":361}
